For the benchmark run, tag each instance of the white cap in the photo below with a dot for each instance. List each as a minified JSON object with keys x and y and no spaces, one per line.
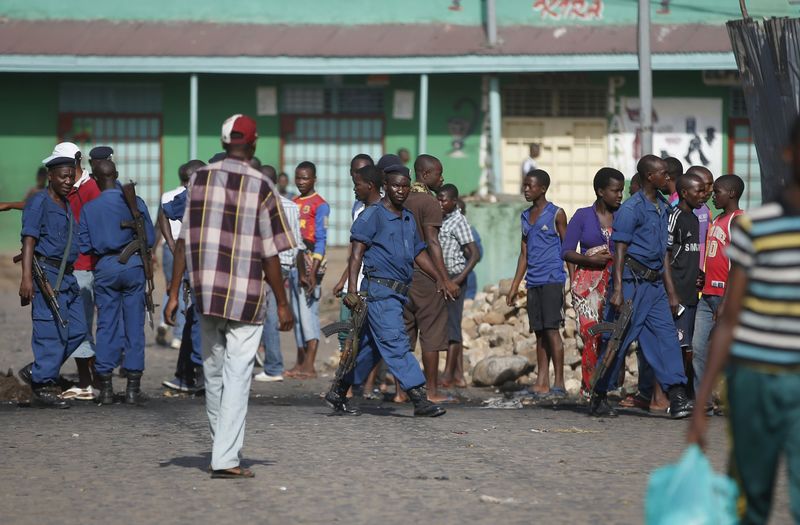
{"x":63,"y":149}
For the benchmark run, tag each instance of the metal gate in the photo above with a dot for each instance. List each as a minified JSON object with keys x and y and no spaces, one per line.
{"x":330,"y":142}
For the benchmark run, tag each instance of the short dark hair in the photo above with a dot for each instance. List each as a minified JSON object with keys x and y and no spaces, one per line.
{"x":674,"y":168}
{"x":646,"y":164}
{"x":269,"y":172}
{"x":685,"y":181}
{"x":371,"y":174}
{"x":733,"y":183}
{"x":541,"y":176}
{"x":307,"y":165}
{"x":186,"y":170}
{"x":604,"y":176}
{"x":449,"y":190}
{"x":364,"y":157}
{"x":282,"y":174}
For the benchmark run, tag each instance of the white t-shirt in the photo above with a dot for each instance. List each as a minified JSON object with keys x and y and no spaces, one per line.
{"x":528,"y":165}
{"x":175,"y":226}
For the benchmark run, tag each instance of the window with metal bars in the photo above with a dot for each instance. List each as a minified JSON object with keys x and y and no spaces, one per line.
{"x":532,"y":101}
{"x":305,"y":100}
{"x":738,"y":107}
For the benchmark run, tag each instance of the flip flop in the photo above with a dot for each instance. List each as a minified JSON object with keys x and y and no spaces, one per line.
{"x":557,"y":393}
{"x":449,"y":400}
{"x":242,"y":473}
{"x":71,"y":393}
{"x":527,"y":394}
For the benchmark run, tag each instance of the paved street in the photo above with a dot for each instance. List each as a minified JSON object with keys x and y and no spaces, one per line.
{"x":120,"y":464}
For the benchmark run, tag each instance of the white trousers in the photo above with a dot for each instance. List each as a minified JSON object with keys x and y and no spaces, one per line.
{"x":229,"y":350}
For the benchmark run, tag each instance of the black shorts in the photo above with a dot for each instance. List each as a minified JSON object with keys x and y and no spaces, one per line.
{"x":455,"y":311}
{"x":546,"y":307}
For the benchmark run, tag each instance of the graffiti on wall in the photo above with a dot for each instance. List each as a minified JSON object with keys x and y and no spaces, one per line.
{"x":461,"y":127}
{"x":569,"y":9}
{"x":685,"y":128}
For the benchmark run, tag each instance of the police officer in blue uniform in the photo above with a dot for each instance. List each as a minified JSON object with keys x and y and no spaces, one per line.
{"x":642,"y":274}
{"x":49,"y":233}
{"x":384,"y":237}
{"x":119,"y":288}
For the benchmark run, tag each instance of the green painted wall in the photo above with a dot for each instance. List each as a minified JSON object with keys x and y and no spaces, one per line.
{"x":349,"y":12}
{"x":28,"y":105}
{"x":499,"y":228}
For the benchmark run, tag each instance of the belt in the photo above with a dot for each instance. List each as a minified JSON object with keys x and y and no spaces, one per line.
{"x":55,"y":263}
{"x":641,"y":271}
{"x":395,"y":286}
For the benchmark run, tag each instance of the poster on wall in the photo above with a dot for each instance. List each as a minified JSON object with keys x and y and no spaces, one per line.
{"x":689,"y":129}
{"x":403,"y":108}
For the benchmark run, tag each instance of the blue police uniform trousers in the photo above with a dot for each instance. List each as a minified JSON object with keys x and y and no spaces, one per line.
{"x":652,"y":324}
{"x":383,"y":336}
{"x":52,"y":344}
{"x":119,"y":296}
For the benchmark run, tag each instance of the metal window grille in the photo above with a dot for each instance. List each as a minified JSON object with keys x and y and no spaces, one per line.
{"x":305,"y":100}
{"x":531,"y":101}
{"x":738,"y":108}
{"x":87,"y":97}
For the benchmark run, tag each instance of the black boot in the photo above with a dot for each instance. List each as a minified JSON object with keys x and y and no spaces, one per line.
{"x":336,"y":398}
{"x":680,"y":406}
{"x":25,"y":374}
{"x":106,"y":395}
{"x":599,"y":407}
{"x":423,"y":407}
{"x":133,"y":390}
{"x":47,"y":396}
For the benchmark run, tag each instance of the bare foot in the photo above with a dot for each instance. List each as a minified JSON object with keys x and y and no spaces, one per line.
{"x":659,"y":407}
{"x":459,"y":383}
{"x":304,"y":375}
{"x":539,"y":389}
{"x":292,"y":371}
{"x":445,"y":380}
{"x":400,"y":397}
{"x":441,"y":398}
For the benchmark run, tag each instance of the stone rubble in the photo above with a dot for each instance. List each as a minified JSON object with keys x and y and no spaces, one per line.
{"x":492,"y":330}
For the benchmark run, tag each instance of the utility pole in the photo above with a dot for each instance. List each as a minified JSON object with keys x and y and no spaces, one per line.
{"x":645,"y":80}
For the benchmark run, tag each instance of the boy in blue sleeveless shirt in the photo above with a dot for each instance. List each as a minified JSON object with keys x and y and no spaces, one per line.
{"x":49,"y":234}
{"x":543,"y":228}
{"x":384,"y":237}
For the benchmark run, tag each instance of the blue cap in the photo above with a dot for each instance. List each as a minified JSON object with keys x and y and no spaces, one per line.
{"x":101,"y":153}
{"x":60,"y":161}
{"x":392,"y":164}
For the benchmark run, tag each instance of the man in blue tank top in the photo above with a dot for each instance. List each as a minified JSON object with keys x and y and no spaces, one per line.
{"x":642,"y":275}
{"x":543,"y":227}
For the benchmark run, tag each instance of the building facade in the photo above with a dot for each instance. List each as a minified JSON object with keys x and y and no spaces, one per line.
{"x":326,"y":80}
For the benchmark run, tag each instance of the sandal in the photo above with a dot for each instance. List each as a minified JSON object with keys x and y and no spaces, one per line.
{"x":71,"y":393}
{"x":635,"y":401}
{"x":232,"y":473}
{"x":557,"y":393}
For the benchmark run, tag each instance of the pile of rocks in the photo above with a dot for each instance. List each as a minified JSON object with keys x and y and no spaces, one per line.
{"x":499,"y":347}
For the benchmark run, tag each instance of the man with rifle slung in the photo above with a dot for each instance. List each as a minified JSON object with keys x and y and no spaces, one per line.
{"x":120,"y":234}
{"x":385,"y":238}
{"x":643,"y":294}
{"x":49,"y":248}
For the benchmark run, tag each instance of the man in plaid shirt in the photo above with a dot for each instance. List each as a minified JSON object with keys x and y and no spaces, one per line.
{"x":456,"y":240}
{"x":232,"y":231}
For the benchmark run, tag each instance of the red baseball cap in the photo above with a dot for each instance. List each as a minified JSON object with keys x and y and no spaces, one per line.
{"x":242,"y":124}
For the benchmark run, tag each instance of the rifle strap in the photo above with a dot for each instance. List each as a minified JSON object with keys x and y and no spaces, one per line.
{"x":63,"y":266}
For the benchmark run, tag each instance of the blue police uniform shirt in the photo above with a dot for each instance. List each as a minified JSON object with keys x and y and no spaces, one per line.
{"x":48,"y":223}
{"x":100,"y":232}
{"x":392,"y":244}
{"x":174,"y":209}
{"x":642,"y":225}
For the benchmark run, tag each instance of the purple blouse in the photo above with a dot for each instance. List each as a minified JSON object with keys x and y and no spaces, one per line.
{"x":584,"y":228}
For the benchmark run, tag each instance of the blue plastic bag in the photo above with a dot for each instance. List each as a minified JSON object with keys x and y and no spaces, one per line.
{"x":690,"y":493}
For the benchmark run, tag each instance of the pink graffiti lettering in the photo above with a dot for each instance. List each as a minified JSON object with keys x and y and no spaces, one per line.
{"x":569,"y":9}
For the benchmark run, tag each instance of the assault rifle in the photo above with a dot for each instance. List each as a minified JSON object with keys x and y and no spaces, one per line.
{"x":45,"y":288}
{"x":617,"y":330}
{"x":352,"y":328}
{"x":138,"y":244}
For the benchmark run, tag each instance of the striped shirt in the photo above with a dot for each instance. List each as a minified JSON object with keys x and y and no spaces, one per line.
{"x":766,"y":242}
{"x":232,"y":223}
{"x":454,"y":233}
{"x":288,"y":257}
